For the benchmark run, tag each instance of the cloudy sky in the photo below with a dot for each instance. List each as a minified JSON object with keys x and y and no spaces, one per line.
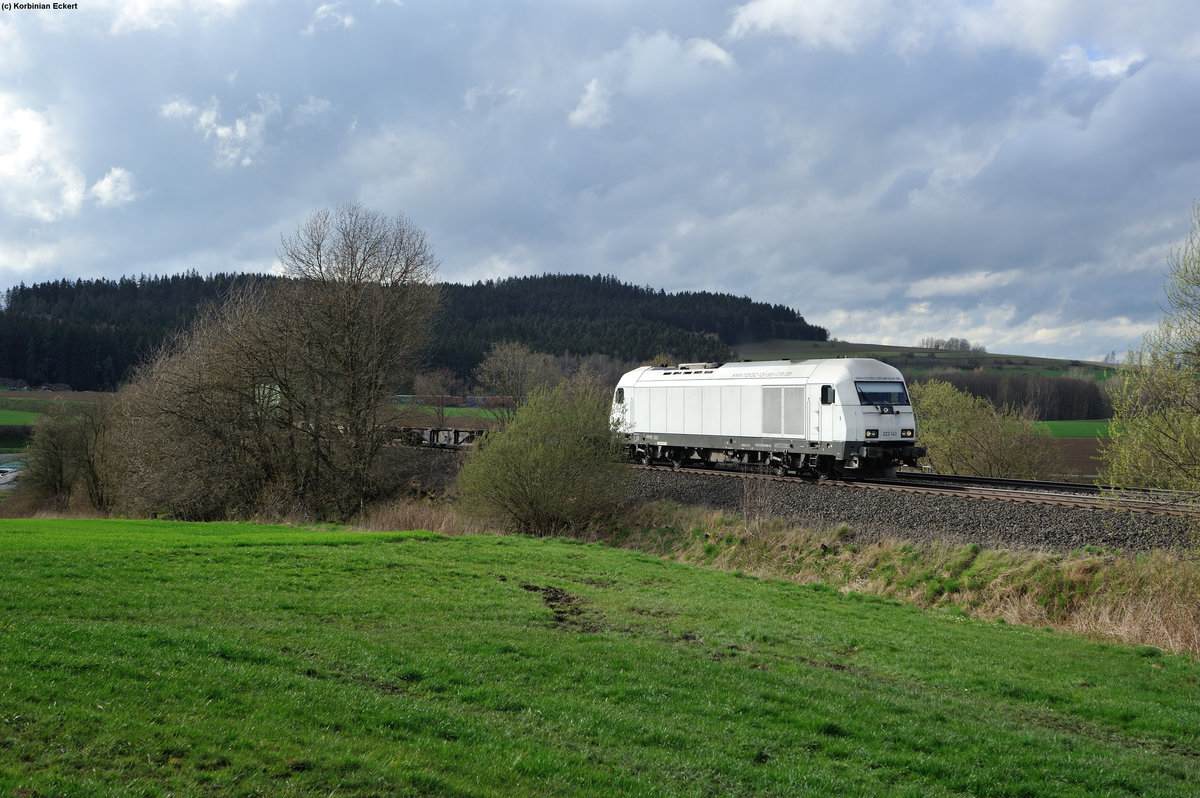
{"x":1014,"y":172}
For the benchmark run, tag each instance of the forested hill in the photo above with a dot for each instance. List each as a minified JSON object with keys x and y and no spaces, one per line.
{"x":588,"y":315}
{"x":90,"y":333}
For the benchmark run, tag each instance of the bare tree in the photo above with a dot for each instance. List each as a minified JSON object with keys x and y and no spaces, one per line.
{"x":510,"y":372}
{"x":53,"y":457}
{"x":280,"y":397}
{"x":194,"y":443}
{"x":439,"y":390}
{"x":362,"y":299}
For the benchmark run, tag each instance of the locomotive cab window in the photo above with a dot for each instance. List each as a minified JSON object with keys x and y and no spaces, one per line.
{"x":882,"y":393}
{"x":620,"y":397}
{"x":827,"y":394}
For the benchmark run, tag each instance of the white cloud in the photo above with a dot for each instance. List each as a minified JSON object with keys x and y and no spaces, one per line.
{"x":178,"y":109}
{"x":705,"y":50}
{"x":130,"y":16}
{"x":12,"y":54}
{"x":593,"y":110}
{"x":961,"y":284}
{"x":1074,"y":61}
{"x":312,"y":109}
{"x":499,"y":266}
{"x":31,"y":258}
{"x":114,"y":189}
{"x":396,"y":166}
{"x":328,"y":16}
{"x":237,"y":143}
{"x":660,"y":63}
{"x":37,"y":177}
{"x":1116,"y":32}
{"x":994,"y":327}
{"x":491,"y":97}
{"x":838,"y":24}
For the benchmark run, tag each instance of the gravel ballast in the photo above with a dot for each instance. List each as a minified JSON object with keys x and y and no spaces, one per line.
{"x":873,"y":515}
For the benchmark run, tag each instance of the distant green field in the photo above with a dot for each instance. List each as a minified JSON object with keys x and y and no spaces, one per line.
{"x":17,"y":418}
{"x":153,"y":658}
{"x":1097,"y":428}
{"x":460,"y":412}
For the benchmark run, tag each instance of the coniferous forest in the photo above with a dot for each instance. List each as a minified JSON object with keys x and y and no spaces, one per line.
{"x":88,"y":334}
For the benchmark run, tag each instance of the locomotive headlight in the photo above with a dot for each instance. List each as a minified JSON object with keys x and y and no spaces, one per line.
{"x":872,"y":433}
{"x":906,"y":433}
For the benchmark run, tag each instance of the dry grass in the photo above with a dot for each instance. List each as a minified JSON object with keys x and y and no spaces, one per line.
{"x":429,"y":515}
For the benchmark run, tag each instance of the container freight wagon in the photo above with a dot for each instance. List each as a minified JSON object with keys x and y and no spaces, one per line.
{"x":820,"y":417}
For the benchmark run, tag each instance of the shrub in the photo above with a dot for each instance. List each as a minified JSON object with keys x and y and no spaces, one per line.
{"x":555,"y":468}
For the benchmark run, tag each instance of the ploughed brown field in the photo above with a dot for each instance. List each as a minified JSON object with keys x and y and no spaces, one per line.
{"x":1081,"y":455}
{"x":70,"y":396}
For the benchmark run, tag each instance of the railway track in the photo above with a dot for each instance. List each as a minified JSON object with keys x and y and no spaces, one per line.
{"x":1038,"y":492}
{"x":1054,"y":494}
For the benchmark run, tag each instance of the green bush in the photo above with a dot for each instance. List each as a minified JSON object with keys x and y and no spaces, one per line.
{"x":555,"y":468}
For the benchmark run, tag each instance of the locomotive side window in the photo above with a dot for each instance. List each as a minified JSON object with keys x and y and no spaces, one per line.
{"x":827,"y":394}
{"x":620,"y":397}
{"x":882,"y":393}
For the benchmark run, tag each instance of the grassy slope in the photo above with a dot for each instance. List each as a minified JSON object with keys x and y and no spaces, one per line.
{"x":144,"y":658}
{"x":916,"y":362}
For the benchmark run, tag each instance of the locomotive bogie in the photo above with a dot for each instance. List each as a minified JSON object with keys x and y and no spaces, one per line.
{"x":820,"y":417}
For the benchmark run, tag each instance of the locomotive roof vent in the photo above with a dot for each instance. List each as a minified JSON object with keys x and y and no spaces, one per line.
{"x":698,"y":366}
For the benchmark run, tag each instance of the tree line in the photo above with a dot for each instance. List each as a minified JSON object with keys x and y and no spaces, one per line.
{"x":89,"y":334}
{"x":1039,"y":396}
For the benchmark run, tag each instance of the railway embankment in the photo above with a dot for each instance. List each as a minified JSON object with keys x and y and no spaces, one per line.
{"x":867,"y":516}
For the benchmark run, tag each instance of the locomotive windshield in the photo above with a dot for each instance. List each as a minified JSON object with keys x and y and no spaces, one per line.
{"x":882,"y":393}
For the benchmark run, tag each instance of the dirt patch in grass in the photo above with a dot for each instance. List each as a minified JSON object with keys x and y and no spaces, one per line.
{"x":566,"y":607}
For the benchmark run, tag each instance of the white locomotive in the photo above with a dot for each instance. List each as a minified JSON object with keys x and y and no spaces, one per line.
{"x":819,"y":417}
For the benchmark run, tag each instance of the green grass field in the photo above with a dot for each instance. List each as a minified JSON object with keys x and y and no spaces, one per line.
{"x":17,"y":418}
{"x":146,"y":658}
{"x":18,"y":412}
{"x":1097,"y":428}
{"x":460,"y":412}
